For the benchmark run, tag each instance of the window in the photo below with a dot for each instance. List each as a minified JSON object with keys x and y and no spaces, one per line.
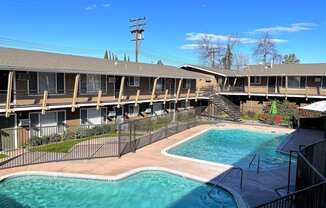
{"x":296,"y":82}
{"x":323,"y":82}
{"x":92,"y":116}
{"x":186,"y":84}
{"x":160,"y":84}
{"x":92,"y":83}
{"x":133,"y":81}
{"x":46,"y":81}
{"x":133,"y":110}
{"x":255,"y":80}
{"x":47,"y":124}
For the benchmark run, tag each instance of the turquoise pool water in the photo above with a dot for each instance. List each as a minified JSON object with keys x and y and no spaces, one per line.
{"x":234,"y":147}
{"x":145,"y":189}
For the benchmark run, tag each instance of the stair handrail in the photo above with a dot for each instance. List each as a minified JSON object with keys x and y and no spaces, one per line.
{"x":256,"y":155}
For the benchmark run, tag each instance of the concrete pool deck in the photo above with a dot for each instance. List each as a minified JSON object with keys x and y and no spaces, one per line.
{"x":257,"y":188}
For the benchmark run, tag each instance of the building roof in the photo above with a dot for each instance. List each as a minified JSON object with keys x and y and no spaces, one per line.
{"x":27,"y":60}
{"x":261,"y":70}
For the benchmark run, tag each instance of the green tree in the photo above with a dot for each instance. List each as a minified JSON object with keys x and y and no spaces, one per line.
{"x":290,"y":59}
{"x":160,"y":62}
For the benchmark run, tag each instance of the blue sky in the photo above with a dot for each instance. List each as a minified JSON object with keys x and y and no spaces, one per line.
{"x":88,"y":27}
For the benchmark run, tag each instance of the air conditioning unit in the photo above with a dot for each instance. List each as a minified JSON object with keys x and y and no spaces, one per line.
{"x":317,"y":79}
{"x":24,"y":122}
{"x":148,"y":110}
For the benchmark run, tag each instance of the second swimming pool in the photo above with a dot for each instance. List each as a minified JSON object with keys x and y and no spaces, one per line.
{"x":235,"y":147}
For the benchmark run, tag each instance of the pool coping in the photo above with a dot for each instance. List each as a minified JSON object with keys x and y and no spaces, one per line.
{"x":236,"y":196}
{"x":167,"y":154}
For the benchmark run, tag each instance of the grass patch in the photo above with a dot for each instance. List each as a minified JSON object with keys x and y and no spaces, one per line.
{"x":66,"y":145}
{"x":2,"y":156}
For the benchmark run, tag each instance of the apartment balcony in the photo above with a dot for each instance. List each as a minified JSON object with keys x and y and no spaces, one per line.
{"x":21,"y":100}
{"x":275,"y":91}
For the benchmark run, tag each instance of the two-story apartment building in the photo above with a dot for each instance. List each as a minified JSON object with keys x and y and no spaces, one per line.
{"x":39,"y":89}
{"x":254,"y":84}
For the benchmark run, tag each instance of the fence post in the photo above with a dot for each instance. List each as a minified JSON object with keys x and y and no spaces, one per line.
{"x":130,"y":134}
{"x":134,"y":140}
{"x":150,"y":130}
{"x":119,"y":141}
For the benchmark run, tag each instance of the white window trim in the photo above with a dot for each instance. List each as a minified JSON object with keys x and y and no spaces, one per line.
{"x":93,"y":92}
{"x":297,"y":88}
{"x":52,"y":111}
{"x":134,"y":85}
{"x":80,"y":120}
{"x":56,"y":84}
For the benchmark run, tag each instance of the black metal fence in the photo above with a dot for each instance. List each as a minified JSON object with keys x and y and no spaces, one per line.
{"x":25,"y":146}
{"x":310,"y":181}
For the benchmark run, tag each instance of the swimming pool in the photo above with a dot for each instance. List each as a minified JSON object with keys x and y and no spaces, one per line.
{"x":235,"y":147}
{"x":144,"y":189}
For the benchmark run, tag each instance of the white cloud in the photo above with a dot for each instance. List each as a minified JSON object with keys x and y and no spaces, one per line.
{"x":91,"y":7}
{"x":296,"y":27}
{"x":221,"y":39}
{"x":106,"y":5}
{"x":94,"y":6}
{"x":217,"y":38}
{"x":193,"y":46}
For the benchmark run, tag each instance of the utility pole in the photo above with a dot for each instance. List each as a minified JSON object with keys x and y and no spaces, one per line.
{"x":212,"y":53}
{"x":137,"y":29}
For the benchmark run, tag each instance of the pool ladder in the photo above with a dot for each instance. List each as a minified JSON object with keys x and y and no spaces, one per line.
{"x":256,"y":155}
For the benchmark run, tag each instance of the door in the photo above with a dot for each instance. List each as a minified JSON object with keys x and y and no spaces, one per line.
{"x":271,"y":84}
{"x":7,"y":133}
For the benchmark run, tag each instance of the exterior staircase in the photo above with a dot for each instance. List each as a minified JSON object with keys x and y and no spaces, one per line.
{"x":226,"y":106}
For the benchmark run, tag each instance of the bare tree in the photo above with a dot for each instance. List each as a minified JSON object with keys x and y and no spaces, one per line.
{"x":227,"y":59}
{"x":210,"y":52}
{"x":265,"y":48}
{"x":241,"y":60}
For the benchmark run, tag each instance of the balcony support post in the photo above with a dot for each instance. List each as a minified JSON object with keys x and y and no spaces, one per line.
{"x":197,"y":94}
{"x":153,"y":90}
{"x":99,"y":97}
{"x":178,"y":92}
{"x":137,"y":97}
{"x":9,"y":93}
{"x":44,"y":101}
{"x":276,"y":85}
{"x":122,"y":84}
{"x":267,"y":87}
{"x":74,"y":98}
{"x":306,"y":86}
{"x":188,"y":94}
{"x":249,"y":86}
{"x":165,"y":96}
{"x":286,"y":87}
{"x":235,"y":81}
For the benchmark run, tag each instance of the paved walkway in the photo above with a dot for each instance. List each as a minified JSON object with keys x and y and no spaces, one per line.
{"x":257,"y":188}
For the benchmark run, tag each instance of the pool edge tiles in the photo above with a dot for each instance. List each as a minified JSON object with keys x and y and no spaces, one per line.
{"x":166,"y":151}
{"x":236,"y":196}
